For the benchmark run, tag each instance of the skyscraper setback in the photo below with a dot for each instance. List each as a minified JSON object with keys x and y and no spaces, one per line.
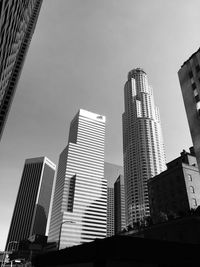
{"x":33,"y":200}
{"x":143,"y":147}
{"x":17,"y":24}
{"x":80,"y":200}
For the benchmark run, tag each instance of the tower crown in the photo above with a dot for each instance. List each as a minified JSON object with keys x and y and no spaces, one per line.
{"x":134,"y":72}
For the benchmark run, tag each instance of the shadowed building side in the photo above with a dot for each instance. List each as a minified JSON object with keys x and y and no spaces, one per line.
{"x":17,"y":24}
{"x":123,"y":251}
{"x":119,"y":205}
{"x":111,"y":172}
{"x":189,"y":78}
{"x":33,"y":200}
{"x":110,"y":212}
{"x":174,"y":192}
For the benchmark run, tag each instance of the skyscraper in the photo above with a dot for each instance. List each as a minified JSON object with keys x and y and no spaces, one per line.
{"x":119,"y":205}
{"x":17,"y":24}
{"x":189,"y":77}
{"x":110,"y":212}
{"x":143,"y":147}
{"x":33,"y":199}
{"x":111,"y":172}
{"x":80,"y":200}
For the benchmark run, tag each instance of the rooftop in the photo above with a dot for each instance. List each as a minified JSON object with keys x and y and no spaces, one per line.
{"x":190,"y":57}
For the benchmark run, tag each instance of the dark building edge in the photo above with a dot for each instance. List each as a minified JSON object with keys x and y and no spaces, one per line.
{"x":17,"y":69}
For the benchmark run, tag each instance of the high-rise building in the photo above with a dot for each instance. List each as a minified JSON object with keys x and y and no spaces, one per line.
{"x":80,"y":200}
{"x":17,"y":24}
{"x":111,"y":172}
{"x":119,"y":205}
{"x":143,"y":147}
{"x":175,"y":191}
{"x":33,"y":200}
{"x":189,"y":77}
{"x":110,"y":212}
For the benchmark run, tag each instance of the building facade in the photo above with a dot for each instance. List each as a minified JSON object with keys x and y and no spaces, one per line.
{"x":110,"y":212}
{"x":111,"y":172}
{"x":79,"y":209}
{"x":174,"y":192}
{"x":143,"y":147}
{"x":119,"y":205}
{"x":33,"y":200}
{"x":189,"y":78}
{"x":17,"y":24}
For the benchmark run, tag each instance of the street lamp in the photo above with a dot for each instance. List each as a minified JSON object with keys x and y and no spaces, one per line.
{"x":68,"y":221}
{"x":7,"y":252}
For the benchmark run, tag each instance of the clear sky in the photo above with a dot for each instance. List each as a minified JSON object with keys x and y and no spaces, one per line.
{"x":79,"y":57}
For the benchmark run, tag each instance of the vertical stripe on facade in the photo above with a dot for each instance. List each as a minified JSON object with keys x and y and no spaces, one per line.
{"x":33,"y":200}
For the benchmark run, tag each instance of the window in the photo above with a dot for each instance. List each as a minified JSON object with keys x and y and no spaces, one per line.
{"x":190,"y":74}
{"x":198,"y":68}
{"x":195,"y":92}
{"x":198,"y":106}
{"x":194,"y":86}
{"x":192,"y":189}
{"x":189,"y":177}
{"x":197,"y":98}
{"x":194,"y":202}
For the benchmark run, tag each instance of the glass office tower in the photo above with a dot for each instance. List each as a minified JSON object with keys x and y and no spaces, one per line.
{"x":80,"y":199}
{"x":33,"y":200}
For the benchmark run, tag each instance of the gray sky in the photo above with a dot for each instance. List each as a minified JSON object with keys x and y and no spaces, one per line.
{"x":79,"y":57}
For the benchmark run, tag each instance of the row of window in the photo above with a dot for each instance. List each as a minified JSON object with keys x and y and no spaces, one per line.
{"x":196,"y":95}
{"x":197,"y":70}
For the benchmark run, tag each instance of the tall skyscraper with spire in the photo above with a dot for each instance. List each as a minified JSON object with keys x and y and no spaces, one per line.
{"x":17,"y":23}
{"x":79,"y":209}
{"x":143,"y":147}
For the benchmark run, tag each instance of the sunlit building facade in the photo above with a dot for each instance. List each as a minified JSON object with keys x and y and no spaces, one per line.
{"x":79,"y":212}
{"x":17,"y":24}
{"x":143,"y":147}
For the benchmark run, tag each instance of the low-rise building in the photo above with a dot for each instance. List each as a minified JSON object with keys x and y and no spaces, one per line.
{"x":174,"y":192}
